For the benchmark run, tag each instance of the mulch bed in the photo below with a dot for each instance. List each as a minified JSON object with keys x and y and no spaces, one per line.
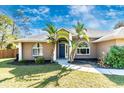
{"x":30,"y":62}
{"x":88,"y":63}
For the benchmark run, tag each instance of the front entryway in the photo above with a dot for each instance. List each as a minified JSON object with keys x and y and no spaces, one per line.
{"x":61,"y":50}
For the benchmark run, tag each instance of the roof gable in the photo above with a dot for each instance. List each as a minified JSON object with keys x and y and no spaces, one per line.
{"x":116,"y":34}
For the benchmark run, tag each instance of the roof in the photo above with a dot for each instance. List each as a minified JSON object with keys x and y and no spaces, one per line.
{"x":92,"y":33}
{"x":97,"y":33}
{"x":43,"y":37}
{"x":116,"y":34}
{"x":36,"y":38}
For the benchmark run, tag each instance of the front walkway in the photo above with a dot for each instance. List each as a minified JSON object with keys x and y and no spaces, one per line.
{"x":65,"y":63}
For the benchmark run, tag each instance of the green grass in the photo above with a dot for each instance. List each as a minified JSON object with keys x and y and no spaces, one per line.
{"x":52,"y":75}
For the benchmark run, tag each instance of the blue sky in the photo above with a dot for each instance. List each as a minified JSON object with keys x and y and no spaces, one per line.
{"x":94,"y":17}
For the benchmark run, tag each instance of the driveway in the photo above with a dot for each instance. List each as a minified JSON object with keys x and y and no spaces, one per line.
{"x":93,"y":69}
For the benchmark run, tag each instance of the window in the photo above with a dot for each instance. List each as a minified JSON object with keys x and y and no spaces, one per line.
{"x":37,"y":50}
{"x":83,"y":49}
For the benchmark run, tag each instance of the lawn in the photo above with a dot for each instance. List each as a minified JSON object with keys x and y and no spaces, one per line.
{"x":52,"y":75}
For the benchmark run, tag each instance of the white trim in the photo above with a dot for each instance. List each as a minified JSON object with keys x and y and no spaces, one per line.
{"x":66,"y":48}
{"x":20,"y":51}
{"x":54,"y":53}
{"x":40,"y":48}
{"x":83,"y":54}
{"x":83,"y":48}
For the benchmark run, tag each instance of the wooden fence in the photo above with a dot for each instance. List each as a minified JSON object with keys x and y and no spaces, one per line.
{"x":9,"y":53}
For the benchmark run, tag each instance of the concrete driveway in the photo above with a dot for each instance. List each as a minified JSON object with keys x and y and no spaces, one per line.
{"x":93,"y":69}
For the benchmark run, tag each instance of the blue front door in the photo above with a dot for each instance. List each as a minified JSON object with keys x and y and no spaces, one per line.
{"x":61,"y":50}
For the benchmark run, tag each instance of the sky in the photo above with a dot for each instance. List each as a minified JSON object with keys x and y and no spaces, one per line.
{"x":64,"y":16}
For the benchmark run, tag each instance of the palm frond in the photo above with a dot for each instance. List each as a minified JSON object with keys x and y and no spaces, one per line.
{"x":51,"y":29}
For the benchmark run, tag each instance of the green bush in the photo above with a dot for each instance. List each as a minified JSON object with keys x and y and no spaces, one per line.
{"x":40,"y":60}
{"x":115,"y":57}
{"x":11,"y":46}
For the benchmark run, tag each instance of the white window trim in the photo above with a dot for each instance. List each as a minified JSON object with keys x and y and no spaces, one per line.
{"x":41,"y":51}
{"x":83,"y":48}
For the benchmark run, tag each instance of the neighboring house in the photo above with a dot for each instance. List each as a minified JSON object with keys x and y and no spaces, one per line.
{"x":100,"y":43}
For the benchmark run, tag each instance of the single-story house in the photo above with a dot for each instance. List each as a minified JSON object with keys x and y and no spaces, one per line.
{"x":99,"y":44}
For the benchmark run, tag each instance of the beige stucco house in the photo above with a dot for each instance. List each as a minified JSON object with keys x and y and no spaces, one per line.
{"x":99,"y":45}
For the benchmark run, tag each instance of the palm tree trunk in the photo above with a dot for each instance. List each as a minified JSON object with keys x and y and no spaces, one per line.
{"x":52,"y":54}
{"x":73,"y":53}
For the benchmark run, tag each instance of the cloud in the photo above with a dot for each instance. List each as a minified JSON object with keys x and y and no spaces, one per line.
{"x":77,"y":10}
{"x":84,"y":13}
{"x":36,"y":30}
{"x":57,"y":18}
{"x":34,"y":14}
{"x":112,"y":13}
{"x":42,"y":10}
{"x":36,"y":18}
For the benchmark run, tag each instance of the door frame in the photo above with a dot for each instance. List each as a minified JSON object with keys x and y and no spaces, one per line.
{"x":66,"y":55}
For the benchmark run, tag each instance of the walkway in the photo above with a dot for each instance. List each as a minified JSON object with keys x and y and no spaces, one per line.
{"x":64,"y":63}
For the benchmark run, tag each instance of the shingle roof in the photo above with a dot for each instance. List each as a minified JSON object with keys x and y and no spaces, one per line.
{"x":116,"y":34}
{"x":43,"y":37}
{"x":36,"y":38}
{"x":94,"y":33}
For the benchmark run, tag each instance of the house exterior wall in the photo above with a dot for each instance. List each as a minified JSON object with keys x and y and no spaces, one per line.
{"x":103,"y":47}
{"x":120,"y":42}
{"x":27,"y":50}
{"x":97,"y":50}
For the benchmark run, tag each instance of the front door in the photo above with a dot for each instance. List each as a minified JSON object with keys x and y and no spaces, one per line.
{"x":61,"y":50}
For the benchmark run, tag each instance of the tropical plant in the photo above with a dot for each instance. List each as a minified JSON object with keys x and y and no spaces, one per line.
{"x":51,"y":30}
{"x":81,"y":36}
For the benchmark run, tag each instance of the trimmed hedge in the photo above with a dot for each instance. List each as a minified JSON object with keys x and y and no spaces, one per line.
{"x":40,"y":60}
{"x":115,"y":57}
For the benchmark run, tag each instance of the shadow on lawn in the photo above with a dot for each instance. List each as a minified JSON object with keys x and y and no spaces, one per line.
{"x":26,"y":72}
{"x":6,"y":79}
{"x":55,"y":79}
{"x":22,"y":71}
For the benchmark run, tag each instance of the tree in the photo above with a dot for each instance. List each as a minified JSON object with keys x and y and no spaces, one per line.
{"x":119,"y":24}
{"x":8,"y":30}
{"x":51,"y":30}
{"x":5,"y":25}
{"x":15,"y":30}
{"x":81,"y":35}
{"x":23,"y":21}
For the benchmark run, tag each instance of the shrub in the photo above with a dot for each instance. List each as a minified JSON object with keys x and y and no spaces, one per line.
{"x":40,"y":60}
{"x":115,"y":57}
{"x":11,"y":46}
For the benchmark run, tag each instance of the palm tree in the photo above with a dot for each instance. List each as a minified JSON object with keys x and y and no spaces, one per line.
{"x":51,"y":30}
{"x":81,"y":35}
